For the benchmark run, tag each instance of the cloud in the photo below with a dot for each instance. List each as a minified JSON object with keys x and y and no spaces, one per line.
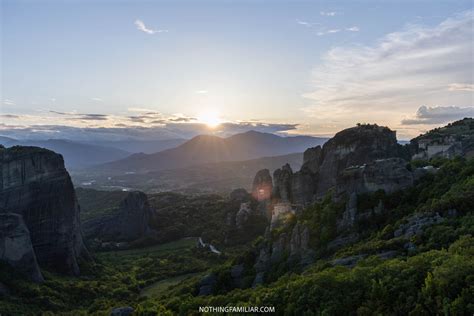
{"x":72,"y":116}
{"x":439,"y":114}
{"x":307,"y":24}
{"x":123,"y":131}
{"x":10,"y":116}
{"x":142,"y":27}
{"x":326,"y":13}
{"x":8,"y":102}
{"x":97,"y":99}
{"x":461,"y":87}
{"x":402,"y":70}
{"x":201,"y":91}
{"x":353,"y":29}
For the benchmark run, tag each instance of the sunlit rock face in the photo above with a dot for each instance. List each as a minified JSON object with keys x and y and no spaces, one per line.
{"x":35,"y":184}
{"x":16,"y":248}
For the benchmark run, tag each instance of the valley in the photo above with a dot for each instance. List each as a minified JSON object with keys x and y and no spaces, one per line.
{"x":333,"y":233}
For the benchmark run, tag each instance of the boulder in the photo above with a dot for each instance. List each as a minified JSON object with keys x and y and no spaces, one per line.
{"x":35,"y":184}
{"x":16,"y":248}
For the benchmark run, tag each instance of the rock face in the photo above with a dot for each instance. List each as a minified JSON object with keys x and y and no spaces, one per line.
{"x":262,"y":190}
{"x":242,"y":215}
{"x":389,"y":175}
{"x":283,"y":181}
{"x":130,"y":222}
{"x":364,"y":158}
{"x":354,"y":146}
{"x":207,"y":284}
{"x":16,"y":248}
{"x":416,"y":224}
{"x":35,"y":184}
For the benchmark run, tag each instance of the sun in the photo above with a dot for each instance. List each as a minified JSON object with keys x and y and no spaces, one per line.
{"x":210,"y":118}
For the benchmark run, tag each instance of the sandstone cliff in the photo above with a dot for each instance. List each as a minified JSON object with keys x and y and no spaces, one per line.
{"x":35,"y":184}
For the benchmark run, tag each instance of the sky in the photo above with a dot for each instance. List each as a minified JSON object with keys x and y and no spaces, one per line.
{"x":169,"y":69}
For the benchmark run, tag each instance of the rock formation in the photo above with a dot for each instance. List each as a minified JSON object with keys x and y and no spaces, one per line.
{"x":35,"y":184}
{"x":362,"y":149}
{"x":262,"y":190}
{"x":354,"y":146}
{"x":242,"y":215}
{"x":362,"y":159}
{"x":282,"y":183}
{"x":389,"y":175}
{"x":16,"y":248}
{"x":128,"y":223}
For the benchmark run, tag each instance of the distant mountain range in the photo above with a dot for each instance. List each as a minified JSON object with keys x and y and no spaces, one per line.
{"x":208,"y":149}
{"x":75,"y":154}
{"x":142,"y":146}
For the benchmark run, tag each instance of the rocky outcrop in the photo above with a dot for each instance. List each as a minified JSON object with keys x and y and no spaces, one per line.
{"x":242,"y":215}
{"x":262,"y":188}
{"x":16,"y":248}
{"x":236,"y":273}
{"x":354,"y":146}
{"x":207,"y":284}
{"x":128,"y":223}
{"x":35,"y":184}
{"x":122,"y":311}
{"x":416,"y":224}
{"x":282,"y":179}
{"x":389,"y":175}
{"x":361,"y":159}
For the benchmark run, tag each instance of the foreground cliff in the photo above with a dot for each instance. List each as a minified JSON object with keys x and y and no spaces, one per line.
{"x":35,"y":185}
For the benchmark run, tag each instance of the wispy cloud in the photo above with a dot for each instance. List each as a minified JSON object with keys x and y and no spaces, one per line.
{"x":201,"y":91}
{"x":328,"y":13}
{"x":353,"y":29}
{"x":439,"y":114}
{"x":8,"y":102}
{"x":394,"y":76}
{"x":97,"y":99}
{"x":10,"y":116}
{"x":73,"y":116}
{"x":142,"y":27}
{"x":306,"y":23}
{"x":461,"y":87}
